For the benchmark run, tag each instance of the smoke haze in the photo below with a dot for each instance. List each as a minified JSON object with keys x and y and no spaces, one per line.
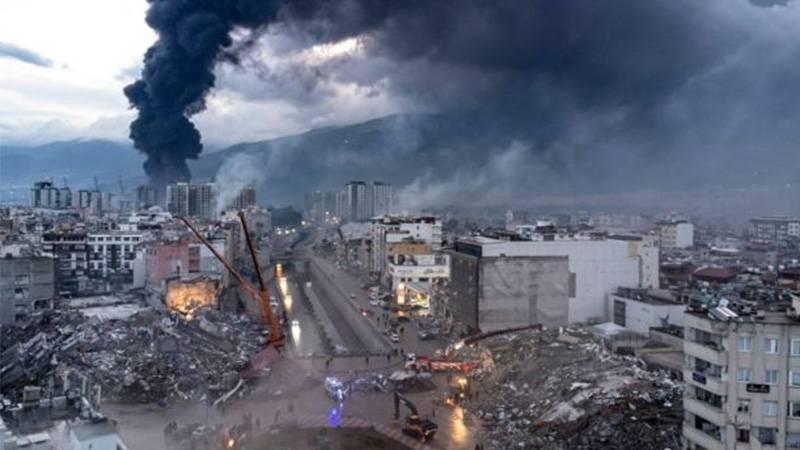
{"x":598,"y":99}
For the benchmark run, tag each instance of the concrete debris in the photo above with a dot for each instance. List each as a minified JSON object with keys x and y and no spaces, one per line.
{"x":149,"y":357}
{"x":566,"y":391}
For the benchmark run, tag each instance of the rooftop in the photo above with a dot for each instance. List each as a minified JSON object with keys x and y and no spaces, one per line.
{"x":649,"y":296}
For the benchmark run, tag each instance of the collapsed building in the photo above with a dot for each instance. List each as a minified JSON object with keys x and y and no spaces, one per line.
{"x":544,"y":389}
{"x":148,"y":357}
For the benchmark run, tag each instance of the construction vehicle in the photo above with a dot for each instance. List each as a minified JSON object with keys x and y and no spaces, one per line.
{"x":417,"y":427}
{"x":261,"y":296}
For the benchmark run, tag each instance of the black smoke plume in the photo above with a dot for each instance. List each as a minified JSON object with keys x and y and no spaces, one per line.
{"x":615,"y":75}
{"x":178,"y":73}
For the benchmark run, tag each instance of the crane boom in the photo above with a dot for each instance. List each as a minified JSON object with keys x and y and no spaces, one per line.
{"x":266,"y":308}
{"x":261,"y":299}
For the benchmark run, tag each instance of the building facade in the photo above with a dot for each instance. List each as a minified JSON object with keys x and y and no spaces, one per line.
{"x":357,"y":201}
{"x":638,"y":310}
{"x":675,"y":235}
{"x":597,"y":267}
{"x":386,"y":230}
{"x":27,"y":283}
{"x":45,"y":195}
{"x":70,"y":250}
{"x":774,"y":229}
{"x":488,"y":291}
{"x":170,"y":258}
{"x":742,"y":379}
{"x":112,"y":252}
{"x":195,"y":200}
{"x":147,"y":196}
{"x":382,"y":198}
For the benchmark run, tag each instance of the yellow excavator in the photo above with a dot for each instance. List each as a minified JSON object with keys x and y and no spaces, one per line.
{"x":416,"y":426}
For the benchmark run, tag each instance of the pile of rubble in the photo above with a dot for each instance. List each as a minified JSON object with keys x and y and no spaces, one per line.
{"x":546,"y":389}
{"x":149,"y":357}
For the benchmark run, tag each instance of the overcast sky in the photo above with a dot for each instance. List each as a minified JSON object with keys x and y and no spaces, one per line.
{"x":62,"y":72}
{"x":689,"y":75}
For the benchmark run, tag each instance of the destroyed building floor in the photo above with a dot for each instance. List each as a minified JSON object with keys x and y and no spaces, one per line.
{"x":148,"y":357}
{"x":542,"y":390}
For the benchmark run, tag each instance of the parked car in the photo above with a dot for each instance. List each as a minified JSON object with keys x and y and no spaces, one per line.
{"x":394,"y":337}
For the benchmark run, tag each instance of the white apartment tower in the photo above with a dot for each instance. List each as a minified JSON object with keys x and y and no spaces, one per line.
{"x":742,"y":376}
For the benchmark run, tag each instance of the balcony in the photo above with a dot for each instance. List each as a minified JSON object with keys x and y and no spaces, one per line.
{"x":707,"y":351}
{"x":701,"y":438}
{"x":705,"y":410}
{"x":708,"y":381}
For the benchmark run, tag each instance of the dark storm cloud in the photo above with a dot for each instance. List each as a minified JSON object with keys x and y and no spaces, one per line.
{"x":8,"y":50}
{"x":768,"y":3}
{"x":597,"y":88}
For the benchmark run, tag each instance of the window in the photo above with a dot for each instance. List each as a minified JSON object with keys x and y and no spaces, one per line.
{"x":771,"y":376}
{"x":794,"y":409}
{"x":745,"y":375}
{"x":743,"y":435}
{"x":770,"y":345}
{"x":745,"y":344}
{"x":795,"y":347}
{"x":794,"y":378}
{"x":767,"y":436}
{"x":743,"y":406}
{"x":770,"y":408}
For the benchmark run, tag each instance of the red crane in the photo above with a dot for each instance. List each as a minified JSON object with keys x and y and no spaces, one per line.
{"x":260,"y":297}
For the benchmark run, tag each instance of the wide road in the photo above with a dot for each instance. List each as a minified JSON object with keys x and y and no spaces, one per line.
{"x":350,"y":284}
{"x":335,"y":314}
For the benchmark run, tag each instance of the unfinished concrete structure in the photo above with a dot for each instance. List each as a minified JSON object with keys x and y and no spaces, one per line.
{"x":497,"y":292}
{"x":596,"y":265}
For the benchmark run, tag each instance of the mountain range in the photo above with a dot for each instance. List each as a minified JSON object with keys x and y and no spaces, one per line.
{"x":395,"y":149}
{"x":437,"y":159}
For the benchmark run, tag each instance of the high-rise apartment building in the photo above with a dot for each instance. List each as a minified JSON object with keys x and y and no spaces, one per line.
{"x":742,"y":375}
{"x":245,"y":199}
{"x":196,"y":200}
{"x":357,"y":201}
{"x":147,"y":196}
{"x":45,"y":195}
{"x":381,"y":198}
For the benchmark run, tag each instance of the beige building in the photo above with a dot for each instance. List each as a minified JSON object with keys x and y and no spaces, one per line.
{"x":675,"y":235}
{"x":742,"y":377}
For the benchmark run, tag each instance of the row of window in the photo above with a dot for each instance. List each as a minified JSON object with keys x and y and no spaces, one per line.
{"x":103,"y":248}
{"x":771,"y":345}
{"x":770,"y":408}
{"x":744,"y":375}
{"x":114,"y":239}
{"x":101,"y":265}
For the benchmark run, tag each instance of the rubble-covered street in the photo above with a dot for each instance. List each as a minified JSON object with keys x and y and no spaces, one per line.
{"x":149,"y":357}
{"x":545,"y":390}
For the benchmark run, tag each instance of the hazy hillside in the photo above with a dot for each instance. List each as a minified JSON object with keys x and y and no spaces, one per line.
{"x":397,"y":149}
{"x":77,"y":160}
